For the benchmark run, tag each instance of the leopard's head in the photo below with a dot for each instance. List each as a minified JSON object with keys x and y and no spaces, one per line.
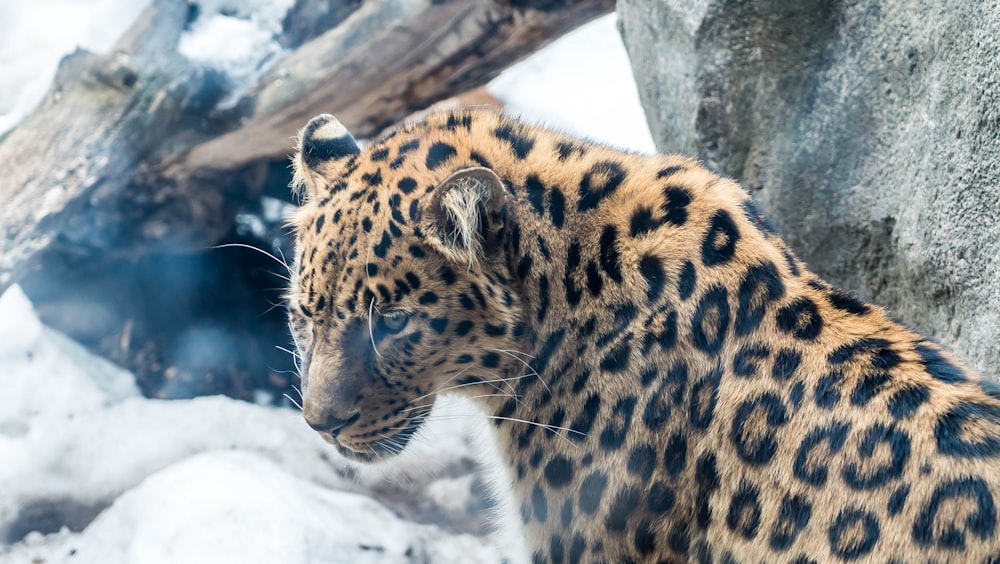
{"x":400,"y":289}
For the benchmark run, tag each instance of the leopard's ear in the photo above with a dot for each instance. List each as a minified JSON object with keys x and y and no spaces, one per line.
{"x":467,"y":215}
{"x":323,"y":143}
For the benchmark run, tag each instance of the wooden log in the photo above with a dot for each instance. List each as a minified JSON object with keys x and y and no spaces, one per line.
{"x":128,"y":153}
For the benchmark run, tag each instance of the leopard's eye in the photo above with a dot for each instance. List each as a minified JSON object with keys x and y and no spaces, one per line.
{"x":395,"y":322}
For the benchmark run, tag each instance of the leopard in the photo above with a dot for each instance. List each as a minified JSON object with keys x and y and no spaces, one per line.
{"x":665,"y":380}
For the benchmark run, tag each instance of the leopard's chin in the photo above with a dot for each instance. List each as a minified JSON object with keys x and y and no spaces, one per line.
{"x":382,"y":448}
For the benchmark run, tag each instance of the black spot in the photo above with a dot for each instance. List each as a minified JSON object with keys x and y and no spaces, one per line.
{"x":679,"y":539}
{"x":581,"y":381}
{"x":601,"y":181}
{"x":480,"y":160}
{"x":594,"y":281}
{"x":952,"y":533}
{"x":800,"y":318}
{"x":619,"y":422}
{"x":519,"y":144}
{"x":675,"y":202}
{"x":557,"y":207}
{"x":559,"y":472}
{"x":845,"y":540}
{"x":719,"y":244}
{"x":796,"y":394}
{"x":456,"y":120}
{"x":543,"y":298}
{"x":704,"y":397}
{"x":622,"y":507}
{"x":811,"y":469}
{"x":898,"y":443}
{"x":744,"y":511}
{"x":567,"y":149}
{"x":950,"y":427}
{"x":415,"y":212}
{"x":793,"y":516}
{"x":669,"y":171}
{"x":746,"y":363}
{"x":938,"y":366}
{"x":827,"y":392}
{"x":536,"y":193}
{"x":786,"y":362}
{"x":642,"y":221}
{"x":669,"y":392}
{"x":707,"y":476}
{"x":556,"y":549}
{"x":416,"y":252}
{"x":685,"y":286}
{"x":549,"y":348}
{"x":495,"y":330}
{"x":642,"y":461}
{"x":652,"y":270}
{"x":380,"y":155}
{"x":711,"y":320}
{"x":372,"y":179}
{"x":576,"y":549}
{"x":666,"y":338}
{"x":661,"y":498}
{"x":906,"y":401}
{"x":315,"y":151}
{"x":539,"y":504}
{"x":407,"y":185}
{"x":591,"y":491}
{"x":585,"y":420}
{"x":439,"y":324}
{"x":566,"y":514}
{"x":610,"y":258}
{"x":382,"y":248}
{"x":366,"y":224}
{"x":868,"y":386}
{"x":617,"y":359}
{"x":757,"y":446}
{"x":524,"y":267}
{"x":645,"y":538}
{"x":490,"y":360}
{"x":438,"y":154}
{"x":319,"y":222}
{"x":755,"y":215}
{"x":463,"y":327}
{"x":371,"y":269}
{"x":761,"y":285}
{"x":675,"y":454}
{"x":847,"y":302}
{"x":849,"y":351}
{"x":428,"y":298}
{"x":898,"y":500}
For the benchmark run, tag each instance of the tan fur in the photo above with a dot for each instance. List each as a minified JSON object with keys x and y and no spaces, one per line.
{"x":589,"y":291}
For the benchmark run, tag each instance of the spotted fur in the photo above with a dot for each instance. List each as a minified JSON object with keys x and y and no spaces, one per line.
{"x":699,"y":394}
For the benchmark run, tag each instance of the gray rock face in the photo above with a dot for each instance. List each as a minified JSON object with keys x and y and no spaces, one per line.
{"x":870,"y":132}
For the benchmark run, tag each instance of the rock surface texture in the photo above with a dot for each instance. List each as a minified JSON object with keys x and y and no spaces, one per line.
{"x":869,"y":131}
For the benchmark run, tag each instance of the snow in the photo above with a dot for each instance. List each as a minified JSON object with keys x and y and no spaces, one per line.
{"x":213,"y":479}
{"x":237,"y":38}
{"x":581,"y":84}
{"x":204,"y":480}
{"x":33,"y":40}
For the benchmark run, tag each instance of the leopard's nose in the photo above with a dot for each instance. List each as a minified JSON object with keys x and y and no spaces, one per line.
{"x":329,"y":423}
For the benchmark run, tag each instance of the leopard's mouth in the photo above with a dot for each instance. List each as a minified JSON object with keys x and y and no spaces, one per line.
{"x":383,"y":446}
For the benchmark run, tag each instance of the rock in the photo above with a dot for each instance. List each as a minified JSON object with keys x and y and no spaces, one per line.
{"x":869,"y":131}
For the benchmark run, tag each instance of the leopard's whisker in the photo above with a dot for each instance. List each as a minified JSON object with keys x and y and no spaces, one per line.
{"x":259,"y":250}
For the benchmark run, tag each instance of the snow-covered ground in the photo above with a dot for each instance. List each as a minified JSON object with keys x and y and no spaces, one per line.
{"x":218,"y":480}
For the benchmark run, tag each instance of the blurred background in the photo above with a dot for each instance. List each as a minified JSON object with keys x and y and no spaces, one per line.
{"x":144,"y":151}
